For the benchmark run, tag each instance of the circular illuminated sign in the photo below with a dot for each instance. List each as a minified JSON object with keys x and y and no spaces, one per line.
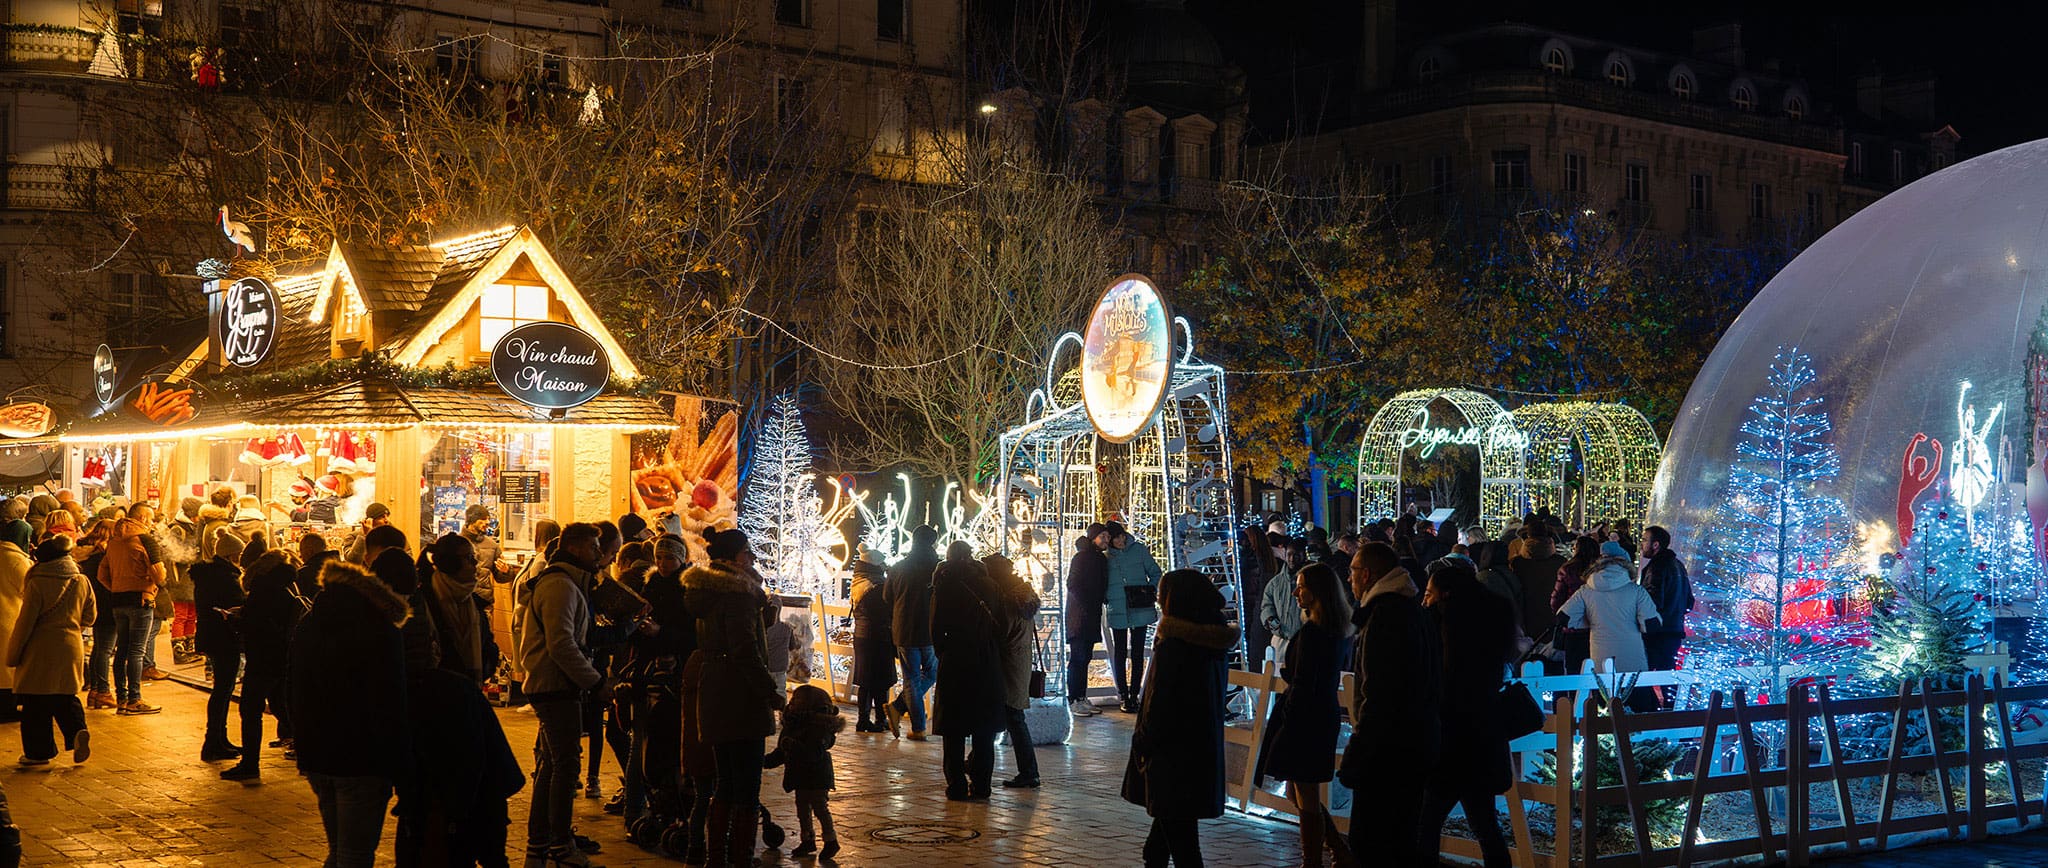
{"x":550,"y":365}
{"x":1126,"y":359}
{"x":103,"y":374}
{"x":248,"y":322}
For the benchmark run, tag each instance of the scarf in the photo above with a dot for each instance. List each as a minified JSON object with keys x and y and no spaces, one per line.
{"x":452,"y":597}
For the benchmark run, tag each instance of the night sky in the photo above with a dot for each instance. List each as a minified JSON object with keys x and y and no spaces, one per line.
{"x":1988,"y":58}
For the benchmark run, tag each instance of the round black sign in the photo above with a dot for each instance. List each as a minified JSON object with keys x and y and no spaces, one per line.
{"x":550,"y":365}
{"x":248,"y":322}
{"x":103,"y":373}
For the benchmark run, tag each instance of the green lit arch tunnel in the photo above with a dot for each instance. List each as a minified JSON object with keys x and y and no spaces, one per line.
{"x":1620,"y":451}
{"x":1381,"y":454}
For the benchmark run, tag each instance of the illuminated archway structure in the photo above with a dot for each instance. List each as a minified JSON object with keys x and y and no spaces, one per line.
{"x":1620,"y":452}
{"x":1404,"y":423}
{"x":1049,"y":488}
{"x":1523,"y":455}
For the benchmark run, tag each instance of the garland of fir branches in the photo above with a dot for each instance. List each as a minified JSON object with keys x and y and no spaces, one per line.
{"x":369,"y":366}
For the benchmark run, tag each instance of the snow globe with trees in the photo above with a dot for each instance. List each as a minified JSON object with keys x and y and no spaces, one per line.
{"x":1856,"y":475}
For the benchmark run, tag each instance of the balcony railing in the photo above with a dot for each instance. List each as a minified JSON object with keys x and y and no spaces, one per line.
{"x":40,"y":45}
{"x":1509,"y":86}
{"x":37,"y":187}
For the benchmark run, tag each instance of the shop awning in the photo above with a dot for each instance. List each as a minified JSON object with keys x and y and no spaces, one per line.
{"x":373,"y":405}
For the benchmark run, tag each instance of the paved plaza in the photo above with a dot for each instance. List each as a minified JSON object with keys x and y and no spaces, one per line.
{"x":144,"y":799}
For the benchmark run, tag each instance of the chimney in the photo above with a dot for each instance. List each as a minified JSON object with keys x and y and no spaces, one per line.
{"x":1720,"y":44}
{"x":1870,"y":94}
{"x":1376,"y":55}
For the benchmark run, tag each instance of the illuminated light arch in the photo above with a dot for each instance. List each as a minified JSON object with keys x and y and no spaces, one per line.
{"x":1395,"y":429}
{"x":1620,"y":450}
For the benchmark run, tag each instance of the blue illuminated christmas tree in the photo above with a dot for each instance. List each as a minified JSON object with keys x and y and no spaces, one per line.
{"x":1780,"y":572}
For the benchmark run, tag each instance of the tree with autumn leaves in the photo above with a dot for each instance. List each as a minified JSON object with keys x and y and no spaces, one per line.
{"x":1324,"y":305}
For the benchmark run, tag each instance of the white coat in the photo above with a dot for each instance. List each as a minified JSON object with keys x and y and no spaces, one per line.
{"x":1615,"y":609}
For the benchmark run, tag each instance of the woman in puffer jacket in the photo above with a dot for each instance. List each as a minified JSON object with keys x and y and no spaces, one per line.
{"x":730,"y":699}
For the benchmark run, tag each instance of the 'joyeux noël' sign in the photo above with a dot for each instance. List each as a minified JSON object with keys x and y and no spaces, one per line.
{"x":550,"y":365}
{"x":1501,"y":434}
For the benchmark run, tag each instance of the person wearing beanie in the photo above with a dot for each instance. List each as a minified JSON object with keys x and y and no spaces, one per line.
{"x":910,"y":616}
{"x":730,"y":698}
{"x":634,"y":528}
{"x":1615,"y":612}
{"x":1087,"y":589}
{"x":874,"y":644}
{"x":490,"y":567}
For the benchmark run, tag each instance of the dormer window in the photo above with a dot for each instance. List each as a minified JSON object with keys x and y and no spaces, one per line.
{"x":1743,"y":97}
{"x":1428,"y":69}
{"x":1618,"y":72}
{"x":1683,"y":87}
{"x":505,"y":307}
{"x":1555,"y":61}
{"x":1795,"y":107}
{"x":349,"y":325}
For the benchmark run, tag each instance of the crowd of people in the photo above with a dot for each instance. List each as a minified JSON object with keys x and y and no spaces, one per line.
{"x":682,"y":669}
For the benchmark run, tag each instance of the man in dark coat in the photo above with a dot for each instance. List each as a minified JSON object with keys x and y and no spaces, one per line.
{"x":1393,"y":743}
{"x":1537,"y":570}
{"x":1087,"y":589}
{"x":969,"y":704}
{"x":1665,"y":578}
{"x":910,"y":619}
{"x":353,"y":743}
{"x":265,"y":621}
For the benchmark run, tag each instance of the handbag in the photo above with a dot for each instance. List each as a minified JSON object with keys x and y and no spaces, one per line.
{"x":1141,"y":596}
{"x":1517,"y":710}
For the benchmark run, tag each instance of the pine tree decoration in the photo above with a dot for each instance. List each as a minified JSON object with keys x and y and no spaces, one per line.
{"x":782,"y":512}
{"x":1937,"y":611}
{"x":1780,"y":566}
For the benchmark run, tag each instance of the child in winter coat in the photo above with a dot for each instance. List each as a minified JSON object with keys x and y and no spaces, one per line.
{"x":810,"y":725}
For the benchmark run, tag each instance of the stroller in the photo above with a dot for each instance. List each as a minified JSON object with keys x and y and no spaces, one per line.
{"x":650,"y":688}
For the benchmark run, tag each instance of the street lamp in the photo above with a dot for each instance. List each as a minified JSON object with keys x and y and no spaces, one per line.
{"x":988,"y":108}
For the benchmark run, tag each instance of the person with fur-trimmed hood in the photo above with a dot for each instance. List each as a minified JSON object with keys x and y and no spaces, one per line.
{"x":1176,"y":763}
{"x":354,"y":744}
{"x":730,"y":698}
{"x":1615,"y":610}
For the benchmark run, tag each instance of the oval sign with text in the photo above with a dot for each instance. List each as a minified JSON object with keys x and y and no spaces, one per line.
{"x":1127,"y":358}
{"x":550,"y":365}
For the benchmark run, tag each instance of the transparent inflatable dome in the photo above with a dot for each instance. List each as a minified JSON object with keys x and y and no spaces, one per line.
{"x":1939,"y":283}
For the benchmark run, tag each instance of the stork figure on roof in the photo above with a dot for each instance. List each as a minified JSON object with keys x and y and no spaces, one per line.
{"x":237,"y":231}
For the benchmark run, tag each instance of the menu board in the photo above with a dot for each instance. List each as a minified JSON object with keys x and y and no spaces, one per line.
{"x":519,"y":486}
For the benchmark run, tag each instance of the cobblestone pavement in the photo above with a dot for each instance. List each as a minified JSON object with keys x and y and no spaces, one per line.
{"x":144,"y":799}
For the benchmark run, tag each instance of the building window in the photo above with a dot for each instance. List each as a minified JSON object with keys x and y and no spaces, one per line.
{"x":1898,"y":166}
{"x":1511,"y":169}
{"x":1699,"y":192}
{"x":1617,"y":72}
{"x":1575,"y":173}
{"x":789,"y":100}
{"x":350,"y":322}
{"x":892,"y":127}
{"x":1390,"y":179}
{"x":127,"y":302}
{"x":1683,"y":87}
{"x":1428,"y":69}
{"x":1555,"y":61}
{"x":792,"y":12}
{"x":1940,"y":161}
{"x":506,"y":307}
{"x":1813,"y":209}
{"x":551,"y":72}
{"x":1744,"y":98}
{"x":889,"y":23}
{"x":1759,"y":201}
{"x":1795,"y":107}
{"x":1440,"y":175}
{"x":454,"y":57}
{"x":1856,"y":158}
{"x":1635,"y":185}
{"x":244,"y":27}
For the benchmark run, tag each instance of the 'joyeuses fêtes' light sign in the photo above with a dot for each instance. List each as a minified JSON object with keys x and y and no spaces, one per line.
{"x":1499,"y":435}
{"x":550,"y":365}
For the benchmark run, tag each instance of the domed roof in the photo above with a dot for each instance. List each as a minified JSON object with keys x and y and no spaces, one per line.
{"x":1939,"y":283}
{"x":1171,"y":59}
